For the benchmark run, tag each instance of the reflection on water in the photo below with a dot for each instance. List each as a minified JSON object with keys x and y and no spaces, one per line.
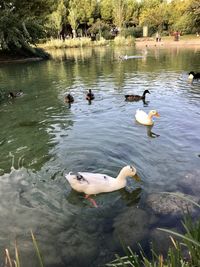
{"x":49,"y":139}
{"x":150,"y":133}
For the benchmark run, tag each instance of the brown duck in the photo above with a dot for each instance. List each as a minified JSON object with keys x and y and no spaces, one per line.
{"x":136,"y":97}
{"x":90,"y":95}
{"x":69,"y":99}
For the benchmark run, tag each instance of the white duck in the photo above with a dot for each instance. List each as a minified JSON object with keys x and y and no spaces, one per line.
{"x":95,"y":183}
{"x":144,"y":118}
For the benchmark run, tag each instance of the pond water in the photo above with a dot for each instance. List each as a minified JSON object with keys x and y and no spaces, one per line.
{"x":41,"y":139}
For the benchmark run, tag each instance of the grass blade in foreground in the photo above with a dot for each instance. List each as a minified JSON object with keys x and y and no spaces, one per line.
{"x":17,"y":255}
{"x":37,"y":250}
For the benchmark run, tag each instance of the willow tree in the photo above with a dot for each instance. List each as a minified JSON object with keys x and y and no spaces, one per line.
{"x":22,"y":24}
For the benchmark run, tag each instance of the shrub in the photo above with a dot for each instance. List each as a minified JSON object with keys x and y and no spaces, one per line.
{"x":121,"y":41}
{"x":132,"y":31}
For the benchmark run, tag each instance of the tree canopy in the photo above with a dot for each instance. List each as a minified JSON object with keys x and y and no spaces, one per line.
{"x":24,"y":22}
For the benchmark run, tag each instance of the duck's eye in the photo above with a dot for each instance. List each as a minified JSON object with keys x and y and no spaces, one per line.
{"x":132,"y":169}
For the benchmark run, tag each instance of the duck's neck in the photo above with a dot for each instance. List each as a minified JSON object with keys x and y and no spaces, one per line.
{"x":150,"y":116}
{"x":122,"y":176}
{"x":120,"y":181}
{"x":144,"y":94}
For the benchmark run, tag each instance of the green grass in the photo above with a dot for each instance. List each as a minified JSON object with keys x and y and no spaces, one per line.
{"x":85,"y":41}
{"x":122,"y":41}
{"x":69,"y":43}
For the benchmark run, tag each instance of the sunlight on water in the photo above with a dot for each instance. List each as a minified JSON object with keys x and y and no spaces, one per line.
{"x":42,"y":138}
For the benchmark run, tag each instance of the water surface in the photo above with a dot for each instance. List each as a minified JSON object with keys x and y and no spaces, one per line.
{"x":42,"y":138}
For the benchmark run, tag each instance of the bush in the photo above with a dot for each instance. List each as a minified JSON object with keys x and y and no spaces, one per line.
{"x":121,"y":41}
{"x":132,"y":31}
{"x":100,"y":29}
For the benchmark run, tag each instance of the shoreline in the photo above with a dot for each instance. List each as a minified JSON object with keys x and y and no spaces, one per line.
{"x":167,"y":43}
{"x":19,"y":60}
{"x":148,"y":42}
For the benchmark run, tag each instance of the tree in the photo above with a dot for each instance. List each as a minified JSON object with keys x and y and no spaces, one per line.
{"x":119,"y":7}
{"x":21,"y":24}
{"x":57,"y":19}
{"x":106,"y":10}
{"x":132,"y":12}
{"x":156,"y":16}
{"x":193,"y":11}
{"x":73,"y":16}
{"x":87,"y":9}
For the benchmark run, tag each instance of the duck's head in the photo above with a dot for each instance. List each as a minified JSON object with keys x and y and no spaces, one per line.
{"x":191,"y":72}
{"x":147,"y":92}
{"x":191,"y":75}
{"x":154,"y":113}
{"x":131,"y":171}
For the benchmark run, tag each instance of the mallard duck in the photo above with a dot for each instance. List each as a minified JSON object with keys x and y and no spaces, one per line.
{"x":144,"y":118}
{"x":136,"y":97}
{"x":69,"y":99}
{"x":90,"y":95}
{"x":15,"y":94}
{"x":96,"y":183}
{"x":193,"y":75}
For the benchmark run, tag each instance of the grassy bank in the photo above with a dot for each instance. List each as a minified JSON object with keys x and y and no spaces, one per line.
{"x":86,"y":42}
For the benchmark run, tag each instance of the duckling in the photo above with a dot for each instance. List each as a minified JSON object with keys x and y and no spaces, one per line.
{"x":193,"y":75}
{"x":90,"y":95}
{"x":69,"y":99}
{"x":136,"y":97}
{"x":15,"y":94}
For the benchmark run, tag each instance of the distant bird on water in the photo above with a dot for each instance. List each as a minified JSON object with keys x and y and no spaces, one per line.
{"x":15,"y":94}
{"x":90,"y":95}
{"x":69,"y":99}
{"x":193,"y":75}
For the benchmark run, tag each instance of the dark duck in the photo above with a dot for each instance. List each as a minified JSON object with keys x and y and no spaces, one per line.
{"x":136,"y":97}
{"x":69,"y":99}
{"x":15,"y":94}
{"x":90,"y":95}
{"x":193,"y":75}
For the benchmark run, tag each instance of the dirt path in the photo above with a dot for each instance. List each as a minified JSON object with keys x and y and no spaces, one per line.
{"x":150,"y":42}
